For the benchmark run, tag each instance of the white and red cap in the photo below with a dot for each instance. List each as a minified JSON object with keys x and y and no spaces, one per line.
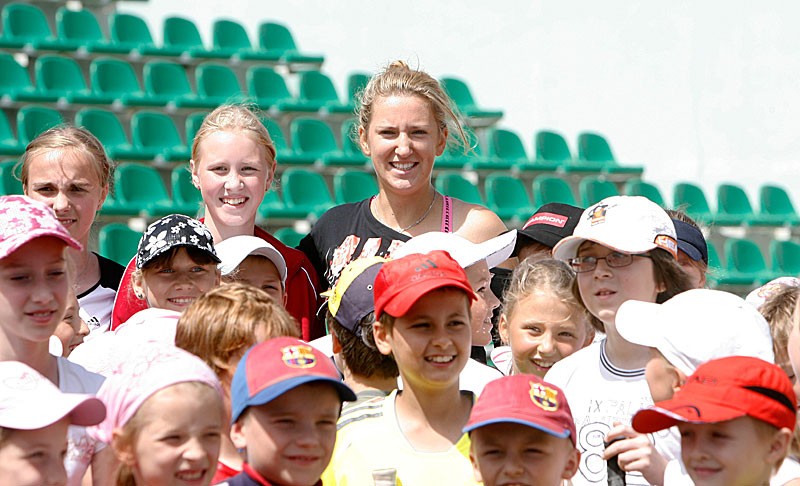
{"x":23,"y":219}
{"x":30,"y":401}
{"x":495,"y":250}
{"x":630,"y":224}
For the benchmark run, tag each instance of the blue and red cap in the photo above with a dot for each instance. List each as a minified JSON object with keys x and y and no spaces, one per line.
{"x":273,"y":367}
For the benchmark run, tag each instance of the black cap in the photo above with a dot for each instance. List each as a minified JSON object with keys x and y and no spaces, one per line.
{"x":691,"y":241}
{"x":549,"y":225}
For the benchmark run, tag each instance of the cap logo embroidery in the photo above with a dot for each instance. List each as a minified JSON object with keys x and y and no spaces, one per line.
{"x":544,"y":397}
{"x":547,"y":218}
{"x":298,"y":357}
{"x":668,"y":243}
{"x":598,"y":214}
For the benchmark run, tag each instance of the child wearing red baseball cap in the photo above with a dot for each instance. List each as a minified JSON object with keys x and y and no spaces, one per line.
{"x":736,"y":417}
{"x":422,"y":306}
{"x":540,"y":453}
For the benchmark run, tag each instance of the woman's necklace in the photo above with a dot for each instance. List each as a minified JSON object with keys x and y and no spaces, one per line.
{"x":427,"y":212}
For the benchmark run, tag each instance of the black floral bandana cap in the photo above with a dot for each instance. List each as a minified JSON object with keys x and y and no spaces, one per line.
{"x":171,"y":231}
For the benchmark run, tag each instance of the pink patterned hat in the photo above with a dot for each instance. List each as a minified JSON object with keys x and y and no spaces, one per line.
{"x":23,"y":219}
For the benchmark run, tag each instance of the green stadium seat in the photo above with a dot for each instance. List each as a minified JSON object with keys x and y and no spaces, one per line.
{"x":111,"y":207}
{"x":131,"y":32}
{"x":9,"y":145}
{"x":746,"y":262}
{"x":276,"y":39}
{"x":551,"y":189}
{"x":350,"y":146}
{"x":193,"y":123}
{"x":594,"y":149}
{"x":155,"y":131}
{"x":351,"y":186}
{"x":506,"y":196}
{"x":25,"y":25}
{"x":168,"y":79}
{"x":269,"y":90}
{"x":273,"y":207}
{"x":230,"y":37}
{"x":454,"y":156}
{"x":181,"y":33}
{"x":552,"y":150}
{"x":82,"y":28}
{"x":33,"y":120}
{"x":218,"y":83}
{"x":115,"y":77}
{"x":356,"y":82}
{"x":62,"y":77}
{"x":313,"y":139}
{"x":186,"y":199}
{"x":306,"y":190}
{"x":594,"y":189}
{"x":690,"y":198}
{"x":15,"y":83}
{"x":637,"y":187}
{"x":141,"y":189}
{"x":785,"y":258}
{"x":10,"y":182}
{"x":285,"y":154}
{"x":734,"y":208}
{"x":289,"y":237}
{"x":462,"y":96}
{"x":118,"y":242}
{"x":105,"y":125}
{"x":717,"y":274}
{"x":317,"y":90}
{"x":505,"y":149}
{"x":454,"y":184}
{"x":777,"y":205}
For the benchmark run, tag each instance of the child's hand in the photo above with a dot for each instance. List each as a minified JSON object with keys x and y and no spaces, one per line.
{"x":636,"y":453}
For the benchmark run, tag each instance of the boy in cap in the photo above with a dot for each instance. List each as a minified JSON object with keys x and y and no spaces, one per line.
{"x":251,"y":260}
{"x":735,"y":416}
{"x":548,"y":225}
{"x":285,"y":401}
{"x":34,"y":417}
{"x":522,"y":432}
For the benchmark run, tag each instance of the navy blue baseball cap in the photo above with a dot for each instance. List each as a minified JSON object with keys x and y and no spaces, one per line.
{"x":691,"y":241}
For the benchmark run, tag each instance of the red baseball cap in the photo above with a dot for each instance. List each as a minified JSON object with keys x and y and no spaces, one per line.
{"x":725,"y":389}
{"x":275,"y":366}
{"x":527,"y":400}
{"x":400,"y":283}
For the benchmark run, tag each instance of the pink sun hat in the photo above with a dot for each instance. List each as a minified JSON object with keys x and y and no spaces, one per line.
{"x":23,"y":219}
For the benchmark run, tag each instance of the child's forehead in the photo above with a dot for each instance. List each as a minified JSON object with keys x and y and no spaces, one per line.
{"x":264,"y":264}
{"x":297,"y":400}
{"x":510,"y":433}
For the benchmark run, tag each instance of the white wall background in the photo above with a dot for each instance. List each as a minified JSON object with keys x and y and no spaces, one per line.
{"x":706,"y":91}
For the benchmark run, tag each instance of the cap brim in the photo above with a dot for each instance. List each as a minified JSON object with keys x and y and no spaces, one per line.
{"x":23,"y":238}
{"x":640,"y":322}
{"x":232,"y":255}
{"x":671,"y":412}
{"x":535,"y":235}
{"x":690,"y":250}
{"x":561,"y":435}
{"x":83,"y":410}
{"x":165,"y":249}
{"x":499,"y":248}
{"x":405,"y":298}
{"x":568,"y":247}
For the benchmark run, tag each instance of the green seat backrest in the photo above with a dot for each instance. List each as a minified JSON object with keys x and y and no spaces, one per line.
{"x":56,"y":73}
{"x":714,"y":263}
{"x":118,"y":242}
{"x":230,"y":34}
{"x":193,"y":122}
{"x":10,"y":182}
{"x":785,"y":257}
{"x":113,"y":76}
{"x":216,"y":80}
{"x":454,"y":184}
{"x":744,"y":256}
{"x":181,"y":32}
{"x":183,"y":191}
{"x":276,"y":37}
{"x":356,"y":83}
{"x":154,"y":130}
{"x":313,"y":137}
{"x":276,"y":134}
{"x":775,"y":201}
{"x":595,"y":148}
{"x":78,"y":25}
{"x":732,"y":199}
{"x":349,"y":133}
{"x":136,"y":183}
{"x":264,"y":83}
{"x":351,"y":186}
{"x":636,"y":187}
{"x":692,"y":198}
{"x":130,"y":29}
{"x":6,"y":133}
{"x":459,"y":92}
{"x":551,"y":189}
{"x":454,"y":149}
{"x":302,"y":188}
{"x":166,"y":78}
{"x":552,"y":147}
{"x":289,"y":236}
{"x":102,"y":124}
{"x":595,"y":189}
{"x":33,"y":120}
{"x":506,"y":192}
{"x":25,"y":22}
{"x":12,"y":75}
{"x":506,"y":145}
{"x":316,"y":86}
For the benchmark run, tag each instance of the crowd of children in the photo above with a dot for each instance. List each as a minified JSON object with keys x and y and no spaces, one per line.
{"x":217,"y":358}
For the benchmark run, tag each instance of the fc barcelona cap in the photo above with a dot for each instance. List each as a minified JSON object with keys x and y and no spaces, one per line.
{"x":630,"y":224}
{"x":526,"y":400}
{"x":549,"y":224}
{"x":275,"y":366}
{"x":725,"y":389}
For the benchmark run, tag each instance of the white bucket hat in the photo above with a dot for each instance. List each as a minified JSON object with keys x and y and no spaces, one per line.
{"x":495,"y":251}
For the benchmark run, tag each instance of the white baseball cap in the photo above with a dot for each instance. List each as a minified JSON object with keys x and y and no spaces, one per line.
{"x":234,"y":250}
{"x":495,"y":251}
{"x":696,"y":326}
{"x":30,"y":401}
{"x":759,"y":296}
{"x":630,"y":224}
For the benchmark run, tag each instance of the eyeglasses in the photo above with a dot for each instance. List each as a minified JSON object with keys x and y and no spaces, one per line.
{"x":614,"y":259}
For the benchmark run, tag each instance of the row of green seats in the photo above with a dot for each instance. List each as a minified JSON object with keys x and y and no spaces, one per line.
{"x":114,"y":80}
{"x":25,"y":25}
{"x":734,"y":207}
{"x":744,"y":263}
